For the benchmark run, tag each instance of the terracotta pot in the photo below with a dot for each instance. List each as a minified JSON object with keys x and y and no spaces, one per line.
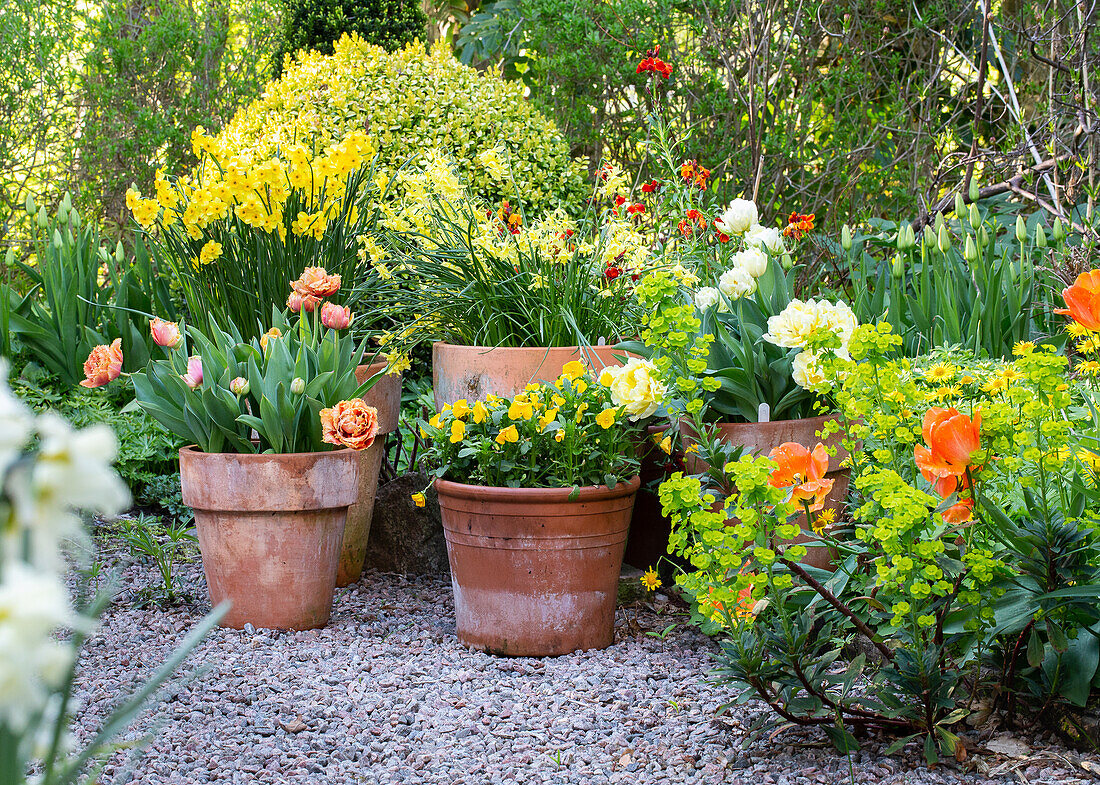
{"x":534,"y":573}
{"x":759,"y":438}
{"x":385,"y":396}
{"x":269,"y":529}
{"x":472,"y":372}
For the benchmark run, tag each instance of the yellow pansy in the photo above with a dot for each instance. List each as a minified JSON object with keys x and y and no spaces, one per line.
{"x":521,"y":408}
{"x":461,"y":408}
{"x":574,"y":369}
{"x":547,"y":417}
{"x":606,"y":418}
{"x":435,"y":421}
{"x":560,"y":435}
{"x":508,"y":435}
{"x":419,"y":500}
{"x":458,"y":431}
{"x":480,"y":412}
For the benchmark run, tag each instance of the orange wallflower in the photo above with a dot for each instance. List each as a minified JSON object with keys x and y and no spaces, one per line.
{"x":1083,"y":300}
{"x":951,"y":438}
{"x":803,"y":471}
{"x":104,"y":364}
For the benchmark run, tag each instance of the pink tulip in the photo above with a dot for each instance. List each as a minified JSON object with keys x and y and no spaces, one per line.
{"x":193,"y":377}
{"x":297,"y":303}
{"x":335,"y":317}
{"x":165,"y":334}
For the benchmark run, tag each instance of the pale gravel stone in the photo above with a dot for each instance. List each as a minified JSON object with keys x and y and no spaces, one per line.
{"x":388,"y":695}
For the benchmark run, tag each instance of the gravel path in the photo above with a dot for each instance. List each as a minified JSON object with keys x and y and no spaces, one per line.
{"x":386,"y":694}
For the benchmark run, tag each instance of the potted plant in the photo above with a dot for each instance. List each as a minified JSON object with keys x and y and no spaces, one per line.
{"x":536,"y":494}
{"x":506,"y":298}
{"x":275,"y":425}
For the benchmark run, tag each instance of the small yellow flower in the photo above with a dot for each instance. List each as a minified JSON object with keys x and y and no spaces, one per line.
{"x":461,"y":408}
{"x":824,"y":519}
{"x":574,"y":369}
{"x":419,"y":500}
{"x":579,"y":386}
{"x":508,"y":435}
{"x":560,"y":435}
{"x":967,"y":379}
{"x":942,"y":372}
{"x":666,"y":445}
{"x":547,"y":417}
{"x":210,"y":252}
{"x":650,"y":580}
{"x":1010,"y":375}
{"x":520,"y":409}
{"x":274,"y":332}
{"x":606,"y":418}
{"x":692,"y":448}
{"x":458,"y":431}
{"x":1023,"y":348}
{"x":435,"y":422}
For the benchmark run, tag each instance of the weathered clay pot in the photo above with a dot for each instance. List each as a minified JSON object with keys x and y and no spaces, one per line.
{"x":472,"y":372}
{"x":385,"y":396}
{"x":760,"y":438}
{"x":534,"y":573}
{"x":269,"y":529}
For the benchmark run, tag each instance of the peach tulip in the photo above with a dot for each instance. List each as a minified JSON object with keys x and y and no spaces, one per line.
{"x":317,"y":282}
{"x":350,"y":424}
{"x":193,"y":377}
{"x":104,"y":364}
{"x":335,"y":316}
{"x":297,"y":303}
{"x":166,"y":334}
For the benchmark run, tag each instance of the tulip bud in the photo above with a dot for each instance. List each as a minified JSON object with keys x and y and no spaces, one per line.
{"x":56,"y":239}
{"x":983,"y":238}
{"x":74,"y":219}
{"x":970,"y":252}
{"x":30,"y":206}
{"x":975,"y":217}
{"x":1059,"y":231}
{"x":66,"y":202}
{"x":1021,"y":230}
{"x":940,"y":222}
{"x":43,"y":219}
{"x":9,"y":257}
{"x":943,"y":240}
{"x":1040,"y":236}
{"x":974,"y":193}
{"x":846,"y":238}
{"x":897,"y":266}
{"x":239,"y":386}
{"x":103,"y":256}
{"x":120,"y":253}
{"x":960,"y":206}
{"x":62,"y":215}
{"x":910,"y":237}
{"x":787,"y":262}
{"x":929,"y":236}
{"x":298,"y":385}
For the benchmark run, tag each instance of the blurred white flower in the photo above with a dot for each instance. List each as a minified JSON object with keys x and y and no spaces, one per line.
{"x":16,"y":423}
{"x":707,"y":297}
{"x":767,"y":237}
{"x":738,"y":218}
{"x":737,"y":282}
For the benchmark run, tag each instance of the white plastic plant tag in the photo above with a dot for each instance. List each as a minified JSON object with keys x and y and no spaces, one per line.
{"x":763,"y":413}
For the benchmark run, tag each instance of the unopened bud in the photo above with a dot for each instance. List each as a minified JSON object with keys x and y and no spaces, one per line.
{"x":943,"y":240}
{"x":940,"y":222}
{"x":787,"y":262}
{"x":983,"y":238}
{"x":974,"y":193}
{"x":120,"y":253}
{"x":1021,"y":230}
{"x":74,"y":219}
{"x":897,"y":266}
{"x":66,"y":202}
{"x":846,"y":238}
{"x":9,"y":257}
{"x":929,"y":236}
{"x":298,"y":385}
{"x":1059,"y":231}
{"x":970,"y":251}
{"x":103,"y":255}
{"x":1040,"y":236}
{"x":975,"y":217}
{"x":960,"y":206}
{"x":239,"y":386}
{"x":30,"y":206}
{"x":56,"y":238}
{"x":43,"y":219}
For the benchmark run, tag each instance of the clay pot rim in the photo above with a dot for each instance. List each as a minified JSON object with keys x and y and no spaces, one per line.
{"x":490,"y":493}
{"x":487,"y":349}
{"x":193,"y":449}
{"x":817,"y":418}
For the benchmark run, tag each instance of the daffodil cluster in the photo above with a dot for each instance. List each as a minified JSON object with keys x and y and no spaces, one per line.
{"x":552,"y":435}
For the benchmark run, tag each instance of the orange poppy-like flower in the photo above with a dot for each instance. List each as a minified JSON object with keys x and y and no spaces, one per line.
{"x":804,"y":471}
{"x":1083,"y":300}
{"x":316,"y":282}
{"x":350,"y":424}
{"x":962,"y":509}
{"x":164,"y":333}
{"x":951,"y":438}
{"x":104,"y":364}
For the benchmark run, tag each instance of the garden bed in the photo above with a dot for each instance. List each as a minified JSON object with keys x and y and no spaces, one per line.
{"x":386,"y":694}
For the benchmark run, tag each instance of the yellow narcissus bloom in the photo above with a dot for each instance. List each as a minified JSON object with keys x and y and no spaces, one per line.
{"x":210,"y":252}
{"x":635,"y":387}
{"x":606,"y":418}
{"x":574,"y":369}
{"x":458,"y":431}
{"x":508,"y":435}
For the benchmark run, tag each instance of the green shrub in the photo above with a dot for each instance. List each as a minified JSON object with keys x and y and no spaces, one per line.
{"x":412,"y":101}
{"x":316,"y":25}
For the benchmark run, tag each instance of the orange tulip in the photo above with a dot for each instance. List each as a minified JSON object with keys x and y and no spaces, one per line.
{"x":962,"y":509}
{"x":802,"y":470}
{"x":317,"y":282}
{"x":1083,"y":300}
{"x":104,"y":364}
{"x":951,"y":438}
{"x":350,"y":424}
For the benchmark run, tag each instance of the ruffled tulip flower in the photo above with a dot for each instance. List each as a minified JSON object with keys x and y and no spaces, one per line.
{"x":297,"y":303}
{"x":104,"y":364}
{"x":951,"y":438}
{"x":317,"y":282}
{"x":803,"y":471}
{"x":335,"y":317}
{"x":166,"y":334}
{"x":193,"y":377}
{"x":1083,"y":300}
{"x":349,"y":424}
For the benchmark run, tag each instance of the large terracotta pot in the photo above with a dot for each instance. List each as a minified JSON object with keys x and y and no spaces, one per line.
{"x":759,"y":438}
{"x":385,"y":396}
{"x":473,"y":372}
{"x":269,"y":529}
{"x":535,"y":573}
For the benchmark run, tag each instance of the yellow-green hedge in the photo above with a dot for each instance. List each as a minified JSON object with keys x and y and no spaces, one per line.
{"x":413,"y":101}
